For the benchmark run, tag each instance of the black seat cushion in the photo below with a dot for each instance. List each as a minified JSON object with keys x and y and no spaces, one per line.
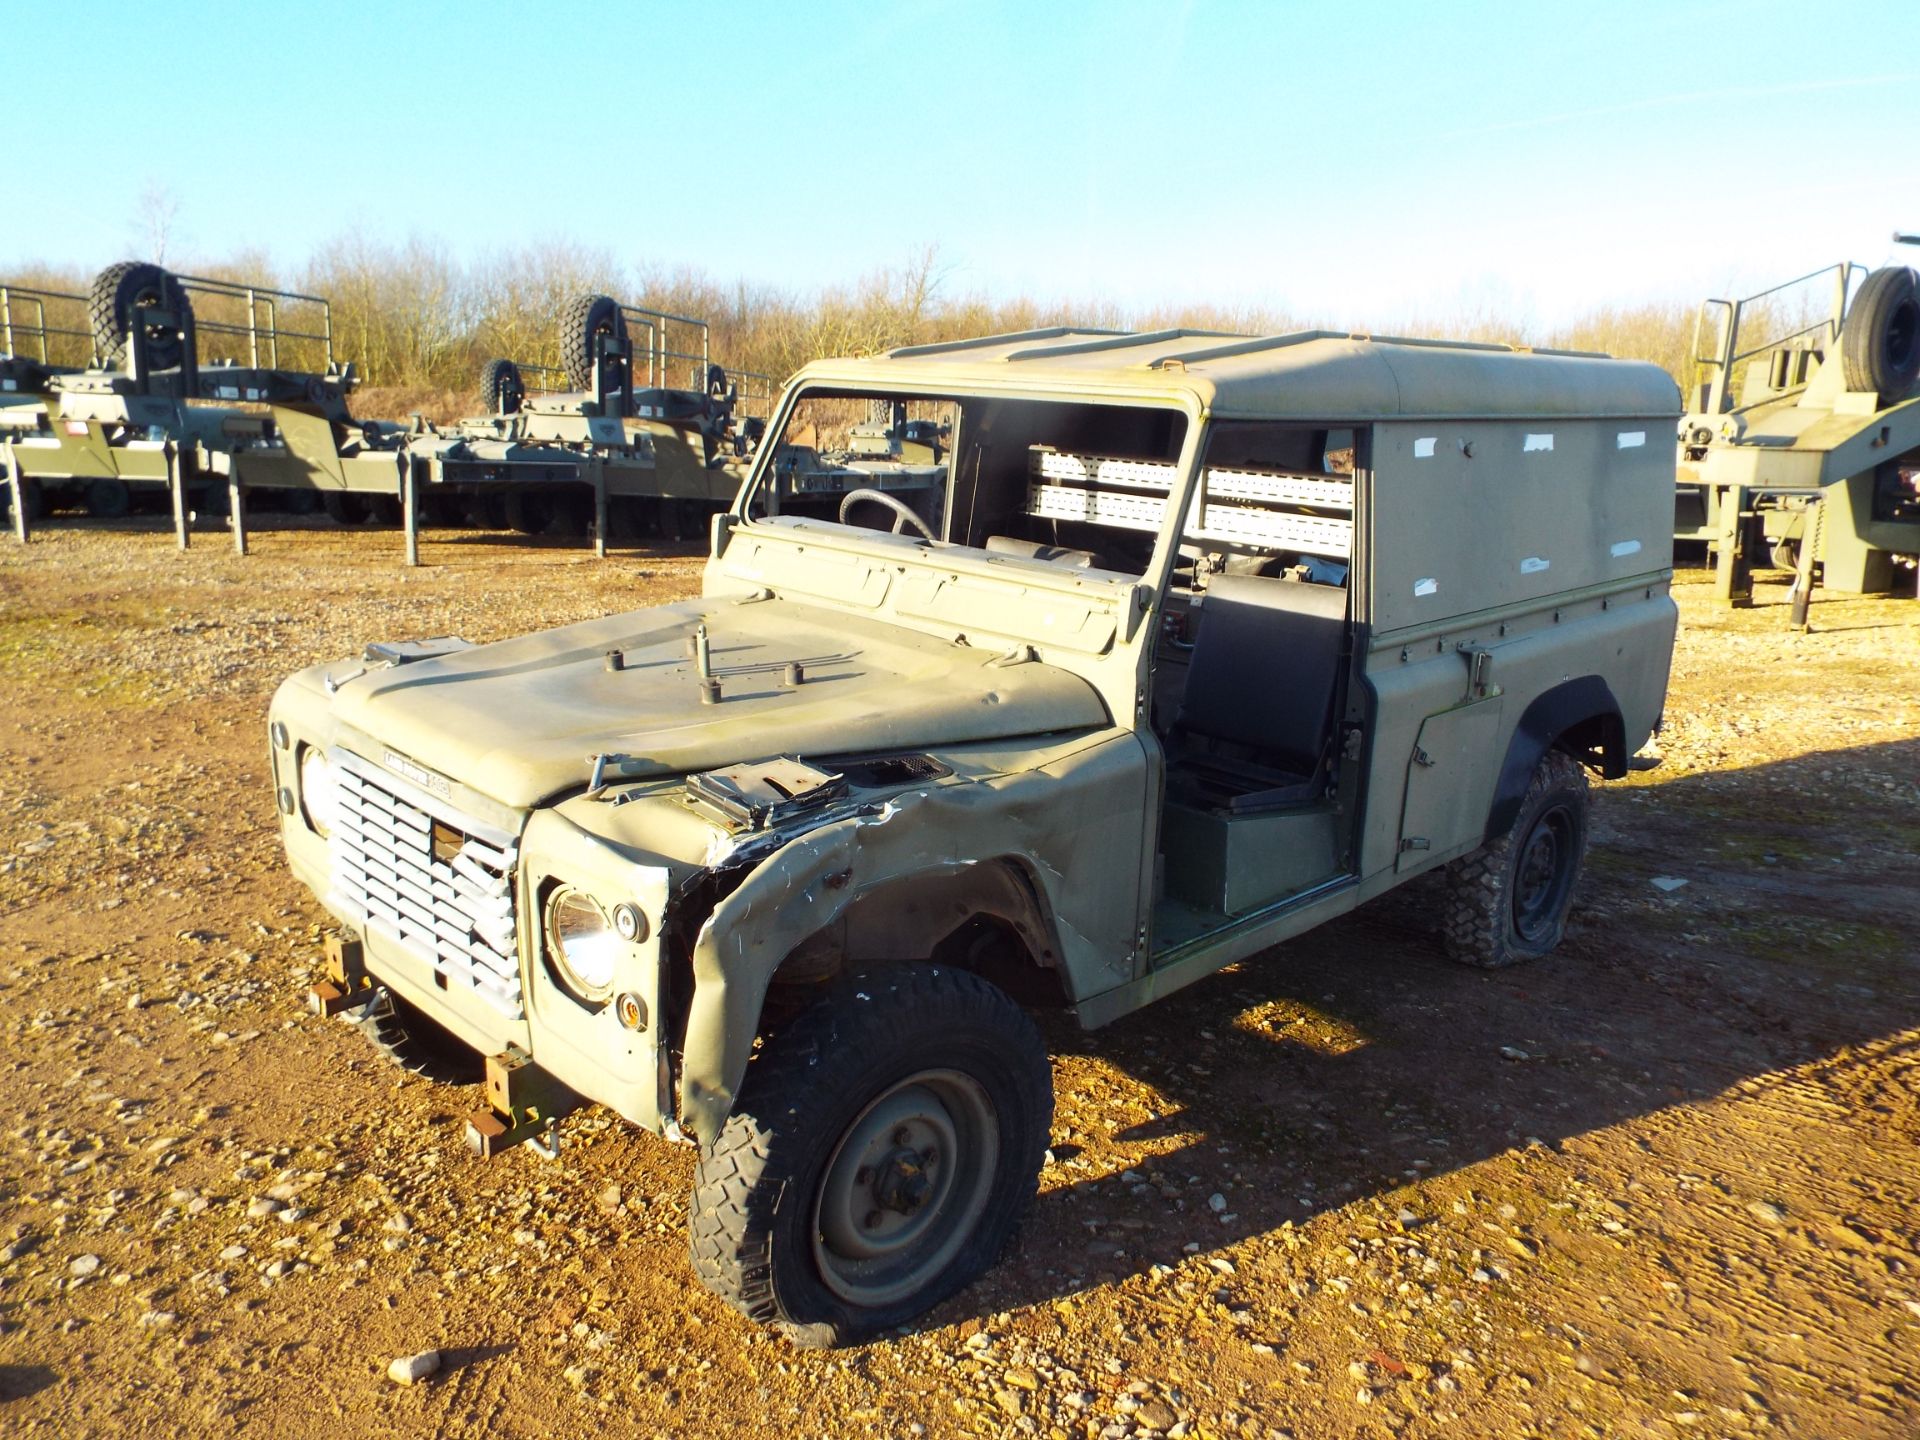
{"x":1264,"y":669}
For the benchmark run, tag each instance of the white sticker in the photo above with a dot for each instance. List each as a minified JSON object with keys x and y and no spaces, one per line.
{"x":1632,"y":439}
{"x":1625,"y":547}
{"x":1533,"y":565}
{"x":8,"y":385}
{"x":1538,"y":442}
{"x":1423,"y":447}
{"x":1426,"y":587}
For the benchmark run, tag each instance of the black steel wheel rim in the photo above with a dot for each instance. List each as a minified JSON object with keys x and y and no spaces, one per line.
{"x":1544,"y":873}
{"x":1903,"y":329}
{"x":904,"y":1188}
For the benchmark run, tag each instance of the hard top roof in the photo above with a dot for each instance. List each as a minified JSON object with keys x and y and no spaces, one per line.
{"x":1311,"y":374}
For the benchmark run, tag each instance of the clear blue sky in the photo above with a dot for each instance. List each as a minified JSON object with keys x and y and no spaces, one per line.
{"x":1356,"y":161}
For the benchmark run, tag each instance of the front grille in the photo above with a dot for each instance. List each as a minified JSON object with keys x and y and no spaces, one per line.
{"x":439,"y":883}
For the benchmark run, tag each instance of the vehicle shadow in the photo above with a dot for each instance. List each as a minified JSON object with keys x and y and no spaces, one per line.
{"x":1357,"y":1059}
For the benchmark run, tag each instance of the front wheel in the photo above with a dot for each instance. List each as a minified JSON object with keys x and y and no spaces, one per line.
{"x":884,"y":1146}
{"x":1507,"y":902}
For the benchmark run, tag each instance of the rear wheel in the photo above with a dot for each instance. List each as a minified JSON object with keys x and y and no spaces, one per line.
{"x":346,"y":507}
{"x":529,"y":512}
{"x":1507,"y":902}
{"x":884,"y":1146}
{"x":108,"y":498}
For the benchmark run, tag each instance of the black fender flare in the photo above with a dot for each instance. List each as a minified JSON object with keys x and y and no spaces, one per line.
{"x":1580,"y":716}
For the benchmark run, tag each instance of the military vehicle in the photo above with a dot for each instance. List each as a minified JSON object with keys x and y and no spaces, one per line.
{"x":145,"y":409}
{"x":1810,"y":439}
{"x":1209,"y":640}
{"x":667,"y":449}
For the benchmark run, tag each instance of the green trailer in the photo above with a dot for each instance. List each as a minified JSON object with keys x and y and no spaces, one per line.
{"x":1808,"y":443}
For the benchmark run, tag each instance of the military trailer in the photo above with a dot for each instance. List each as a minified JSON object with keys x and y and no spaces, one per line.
{"x":146,"y":409}
{"x":1210,"y":639}
{"x":88,"y":452}
{"x":1810,"y":439}
{"x":666,"y":449}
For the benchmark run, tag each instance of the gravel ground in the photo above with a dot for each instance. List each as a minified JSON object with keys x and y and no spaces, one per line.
{"x":1664,"y":1183}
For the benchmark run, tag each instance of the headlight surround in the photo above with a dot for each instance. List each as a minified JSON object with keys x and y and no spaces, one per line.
{"x":582,"y":944}
{"x":319,"y":790}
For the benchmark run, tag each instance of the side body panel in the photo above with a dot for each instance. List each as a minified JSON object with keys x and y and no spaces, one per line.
{"x":1508,"y":558}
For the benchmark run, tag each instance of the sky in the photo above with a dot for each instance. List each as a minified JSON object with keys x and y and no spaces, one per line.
{"x":1352,"y":162}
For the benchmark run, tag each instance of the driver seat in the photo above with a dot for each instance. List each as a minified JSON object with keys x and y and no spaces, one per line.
{"x":1256,"y":725}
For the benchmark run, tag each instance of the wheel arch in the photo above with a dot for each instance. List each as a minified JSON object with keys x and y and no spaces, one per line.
{"x":1580,"y":716}
{"x":849,"y":906}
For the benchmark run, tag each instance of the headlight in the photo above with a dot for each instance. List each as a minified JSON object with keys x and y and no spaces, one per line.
{"x":319,"y":790}
{"x":582,"y":943}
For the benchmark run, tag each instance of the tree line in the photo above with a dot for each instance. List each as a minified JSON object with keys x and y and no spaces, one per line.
{"x":418,"y":322}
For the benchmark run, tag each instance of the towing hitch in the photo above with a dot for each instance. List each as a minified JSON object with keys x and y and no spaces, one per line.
{"x":346,"y":984}
{"x":524,"y":1103}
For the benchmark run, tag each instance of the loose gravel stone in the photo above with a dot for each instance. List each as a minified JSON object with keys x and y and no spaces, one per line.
{"x":412,"y":1369}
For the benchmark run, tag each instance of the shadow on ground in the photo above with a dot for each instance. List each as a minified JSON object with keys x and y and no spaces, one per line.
{"x":1357,"y":1058}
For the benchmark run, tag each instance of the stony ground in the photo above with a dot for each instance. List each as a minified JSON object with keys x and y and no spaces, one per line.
{"x":1663,"y":1184}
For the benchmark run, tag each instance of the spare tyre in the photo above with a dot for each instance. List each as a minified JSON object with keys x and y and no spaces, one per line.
{"x":1880,"y":342}
{"x":588,"y":318}
{"x":119,"y":293}
{"x":501,"y":389}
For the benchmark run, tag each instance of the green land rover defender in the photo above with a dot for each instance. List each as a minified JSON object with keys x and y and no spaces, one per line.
{"x":1199,"y":641}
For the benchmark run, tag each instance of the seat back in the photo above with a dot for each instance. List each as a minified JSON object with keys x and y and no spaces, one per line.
{"x":1265,"y":667}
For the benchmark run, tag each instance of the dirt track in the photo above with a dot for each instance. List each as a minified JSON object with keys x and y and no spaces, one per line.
{"x":1663,"y":1184}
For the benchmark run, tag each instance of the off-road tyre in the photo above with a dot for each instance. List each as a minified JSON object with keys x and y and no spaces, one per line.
{"x":345,"y":507}
{"x":587,"y":318}
{"x":502,"y":392}
{"x":529,"y":512}
{"x":107,"y":498}
{"x":410,"y":1038}
{"x":120,"y":289}
{"x":1880,"y":342}
{"x":1488,"y":920}
{"x":758,"y":1195}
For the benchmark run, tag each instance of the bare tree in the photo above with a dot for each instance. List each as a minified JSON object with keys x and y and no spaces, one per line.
{"x":151,"y":227}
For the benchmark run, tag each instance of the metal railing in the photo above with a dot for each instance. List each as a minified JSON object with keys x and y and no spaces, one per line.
{"x":17,"y":298}
{"x":1720,"y":365}
{"x":262,"y":327}
{"x":659,"y":349}
{"x":756,"y":391}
